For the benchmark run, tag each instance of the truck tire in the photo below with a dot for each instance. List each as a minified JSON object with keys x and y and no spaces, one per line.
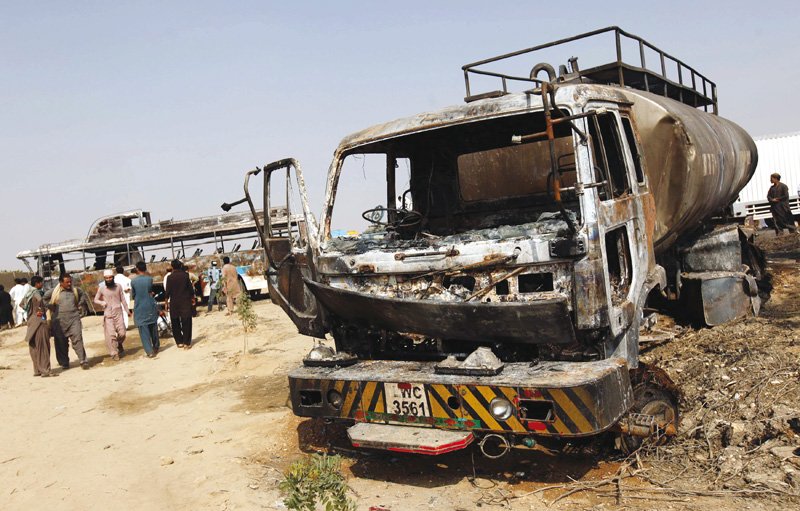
{"x":650,"y":399}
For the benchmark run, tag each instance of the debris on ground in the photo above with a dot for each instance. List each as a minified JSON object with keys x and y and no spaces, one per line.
{"x":739,"y":431}
{"x":740,"y":406}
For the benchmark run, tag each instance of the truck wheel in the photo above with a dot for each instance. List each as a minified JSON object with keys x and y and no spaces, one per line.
{"x":650,"y":400}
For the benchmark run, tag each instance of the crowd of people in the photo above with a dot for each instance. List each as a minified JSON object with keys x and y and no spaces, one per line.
{"x":57,"y":313}
{"x":11,"y":314}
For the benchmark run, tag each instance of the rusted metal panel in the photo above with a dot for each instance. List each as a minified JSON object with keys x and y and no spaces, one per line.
{"x":591,"y":297}
{"x":719,"y":250}
{"x":714,"y":298}
{"x":542,"y":321}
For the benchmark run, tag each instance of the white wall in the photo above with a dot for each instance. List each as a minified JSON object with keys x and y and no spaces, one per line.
{"x":776,"y":153}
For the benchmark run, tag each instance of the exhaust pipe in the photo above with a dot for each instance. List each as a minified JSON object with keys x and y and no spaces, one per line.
{"x":494,"y":446}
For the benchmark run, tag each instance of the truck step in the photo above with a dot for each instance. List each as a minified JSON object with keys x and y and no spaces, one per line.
{"x":408,"y":439}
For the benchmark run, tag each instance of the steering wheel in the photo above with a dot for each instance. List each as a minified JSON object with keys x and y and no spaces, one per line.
{"x":405,"y":217}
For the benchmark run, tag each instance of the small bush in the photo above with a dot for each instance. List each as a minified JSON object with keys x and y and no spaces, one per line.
{"x":244,"y":308}
{"x":316,"y":480}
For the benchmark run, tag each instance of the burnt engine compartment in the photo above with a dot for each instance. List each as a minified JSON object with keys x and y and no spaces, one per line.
{"x":468,"y":183}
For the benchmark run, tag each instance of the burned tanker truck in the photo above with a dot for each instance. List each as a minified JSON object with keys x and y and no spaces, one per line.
{"x":499,"y":294}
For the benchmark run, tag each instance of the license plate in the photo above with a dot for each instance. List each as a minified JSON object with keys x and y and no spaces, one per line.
{"x":407,"y":399}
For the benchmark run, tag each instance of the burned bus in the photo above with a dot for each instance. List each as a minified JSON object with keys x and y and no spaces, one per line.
{"x":126,"y":238}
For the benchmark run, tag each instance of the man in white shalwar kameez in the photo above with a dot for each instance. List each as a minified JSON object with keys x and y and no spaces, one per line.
{"x":125,"y":283}
{"x":17,"y":294}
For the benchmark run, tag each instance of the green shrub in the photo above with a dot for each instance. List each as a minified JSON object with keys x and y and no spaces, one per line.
{"x":244,"y":308}
{"x":316,"y":480}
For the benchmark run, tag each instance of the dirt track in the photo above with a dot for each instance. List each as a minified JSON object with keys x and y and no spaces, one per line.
{"x":209,"y":428}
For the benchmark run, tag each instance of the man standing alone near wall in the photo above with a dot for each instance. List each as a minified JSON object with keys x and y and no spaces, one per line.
{"x":230,"y":283}
{"x":778,"y":197}
{"x":65,"y":303}
{"x":178,"y":295}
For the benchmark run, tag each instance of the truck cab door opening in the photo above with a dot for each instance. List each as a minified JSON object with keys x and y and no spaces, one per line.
{"x":289,"y":248}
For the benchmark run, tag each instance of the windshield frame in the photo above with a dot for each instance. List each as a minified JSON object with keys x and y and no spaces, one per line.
{"x":345,"y":150}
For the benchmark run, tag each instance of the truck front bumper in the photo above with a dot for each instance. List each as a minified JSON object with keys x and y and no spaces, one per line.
{"x":556,"y":399}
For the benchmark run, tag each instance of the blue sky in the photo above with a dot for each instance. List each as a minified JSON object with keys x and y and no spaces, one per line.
{"x":111,"y":106}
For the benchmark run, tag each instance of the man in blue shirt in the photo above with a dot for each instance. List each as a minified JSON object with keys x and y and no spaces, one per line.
{"x":145,"y":310}
{"x":213,"y":277}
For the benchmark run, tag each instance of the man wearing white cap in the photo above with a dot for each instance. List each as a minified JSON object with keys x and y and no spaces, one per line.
{"x":111,"y":298}
{"x":124,"y":282}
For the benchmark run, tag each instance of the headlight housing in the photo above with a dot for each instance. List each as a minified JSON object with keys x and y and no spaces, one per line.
{"x":335,"y":399}
{"x":501,"y":408}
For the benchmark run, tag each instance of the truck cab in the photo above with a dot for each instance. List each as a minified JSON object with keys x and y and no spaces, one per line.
{"x":475,"y":249}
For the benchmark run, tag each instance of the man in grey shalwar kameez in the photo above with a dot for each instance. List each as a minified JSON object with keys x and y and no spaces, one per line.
{"x":110,"y":296}
{"x":38,"y":334}
{"x":65,"y":305}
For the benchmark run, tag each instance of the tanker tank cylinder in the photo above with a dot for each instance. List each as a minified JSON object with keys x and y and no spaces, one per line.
{"x":696,"y":163}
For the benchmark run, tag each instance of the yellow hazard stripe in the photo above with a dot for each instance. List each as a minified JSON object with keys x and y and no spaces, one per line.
{"x":380,"y":404}
{"x":371,"y":391}
{"x":349,"y":399}
{"x":589,"y":403}
{"x":487,"y":393}
{"x":490,"y":393}
{"x":510,"y":393}
{"x":478,"y":408}
{"x":366,"y":396}
{"x":437,"y":410}
{"x":562,"y":428}
{"x":569,"y":408}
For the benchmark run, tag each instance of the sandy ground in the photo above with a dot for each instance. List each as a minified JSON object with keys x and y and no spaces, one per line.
{"x":209,"y":428}
{"x":179,"y":431}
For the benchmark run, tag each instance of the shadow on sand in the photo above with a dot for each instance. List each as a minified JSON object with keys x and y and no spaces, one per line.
{"x":532,"y":466}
